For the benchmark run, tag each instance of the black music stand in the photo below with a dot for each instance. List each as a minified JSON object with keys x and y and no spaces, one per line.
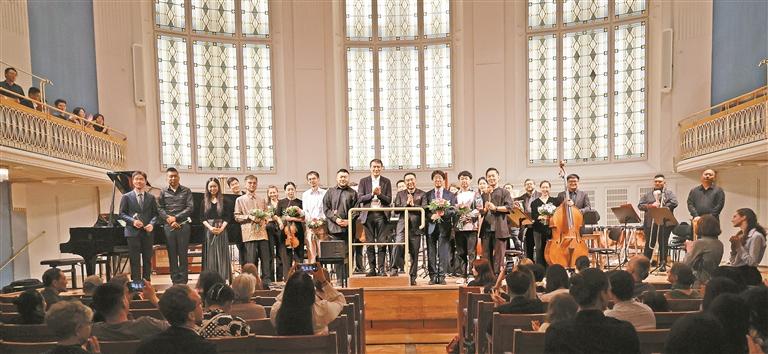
{"x":661,"y":217}
{"x":626,"y":214}
{"x":519,"y":218}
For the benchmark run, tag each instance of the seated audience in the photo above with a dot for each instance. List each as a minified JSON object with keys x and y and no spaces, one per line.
{"x":591,"y":331}
{"x":70,"y":321}
{"x":681,"y":277}
{"x":34,"y":94}
{"x":532,"y":290}
{"x":90,"y":284}
{"x":706,"y":252}
{"x":54,"y":282}
{"x":250,"y":268}
{"x":748,"y":245}
{"x":183,"y":309}
{"x":757,"y":300}
{"x":206,"y":280}
{"x":625,"y":307}
{"x":715,"y":287}
{"x":244,"y":286}
{"x":640,"y":267}
{"x":561,"y":307}
{"x":31,"y":308}
{"x":557,"y":282}
{"x":655,"y":300}
{"x":751,"y":276}
{"x":582,"y":262}
{"x":697,"y":333}
{"x":483,"y":275}
{"x":518,"y":286}
{"x":11,"y":85}
{"x":217,"y":322}
{"x":99,"y":127}
{"x":733,"y":313}
{"x":301,"y":310}
{"x":111,"y":304}
{"x":732,"y":273}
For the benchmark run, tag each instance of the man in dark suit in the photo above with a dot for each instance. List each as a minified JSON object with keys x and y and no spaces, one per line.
{"x":138,"y":209}
{"x":579,"y":198}
{"x":439,"y":229}
{"x":375,"y":191}
{"x":496,"y":210}
{"x":410,"y":197}
{"x":659,"y":197}
{"x":524,"y":202}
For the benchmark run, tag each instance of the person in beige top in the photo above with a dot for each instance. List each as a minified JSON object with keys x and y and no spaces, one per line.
{"x":253,"y":229}
{"x":296,"y":313}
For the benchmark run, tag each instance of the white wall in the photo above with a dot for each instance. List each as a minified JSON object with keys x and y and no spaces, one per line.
{"x":14,"y":39}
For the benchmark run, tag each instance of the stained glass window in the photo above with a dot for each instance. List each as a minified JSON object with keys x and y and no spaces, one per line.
{"x":224,"y":121}
{"x":399,"y":83}
{"x":586,"y":84}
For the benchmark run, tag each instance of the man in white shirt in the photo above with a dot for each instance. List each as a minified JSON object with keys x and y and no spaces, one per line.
{"x":312,"y":200}
{"x":626,"y":308}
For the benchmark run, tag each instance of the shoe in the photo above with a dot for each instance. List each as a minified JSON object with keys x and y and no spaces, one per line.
{"x":371,"y":274}
{"x":393,"y":273}
{"x":359,"y":270}
{"x":441,"y":281}
{"x":413,"y":281}
{"x":431,"y":281}
{"x":382,"y":272}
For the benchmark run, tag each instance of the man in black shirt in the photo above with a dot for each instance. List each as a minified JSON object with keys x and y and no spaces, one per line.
{"x":11,"y":85}
{"x":518,"y":284}
{"x":175,"y":206}
{"x":706,"y":198}
{"x":336,"y":204}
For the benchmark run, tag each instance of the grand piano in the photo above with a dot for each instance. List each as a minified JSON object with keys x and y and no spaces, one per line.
{"x":106,"y":236}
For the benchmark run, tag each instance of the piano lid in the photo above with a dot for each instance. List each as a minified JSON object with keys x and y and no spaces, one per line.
{"x":122,"y":180}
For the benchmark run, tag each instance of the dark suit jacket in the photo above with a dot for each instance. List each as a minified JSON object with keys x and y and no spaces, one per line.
{"x":365,"y":194}
{"x":670,"y":201}
{"x":445,"y":226}
{"x":581,"y":201}
{"x":591,"y":332}
{"x":526,"y":200}
{"x":338,"y":200}
{"x":129,"y":206}
{"x":414,"y":218}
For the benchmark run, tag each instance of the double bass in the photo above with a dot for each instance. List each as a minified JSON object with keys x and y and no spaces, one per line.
{"x":566,"y":244}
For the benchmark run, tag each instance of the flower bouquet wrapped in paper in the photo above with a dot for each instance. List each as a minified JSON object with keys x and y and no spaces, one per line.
{"x":545,"y":212}
{"x":260,"y":216}
{"x":293,"y":211}
{"x":317,"y":225}
{"x":439,"y":206}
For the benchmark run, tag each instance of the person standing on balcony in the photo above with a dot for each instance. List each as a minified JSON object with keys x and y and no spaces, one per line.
{"x":175,"y":206}
{"x":706,"y":198}
{"x":11,"y":85}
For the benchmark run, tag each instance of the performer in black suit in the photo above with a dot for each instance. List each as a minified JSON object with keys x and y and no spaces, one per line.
{"x":524,"y":202}
{"x":579,"y":198}
{"x":410,"y":197}
{"x":375,"y":191}
{"x":138,"y":209}
{"x":175,"y":206}
{"x":439,"y":229}
{"x":336,"y":204}
{"x":234,"y":231}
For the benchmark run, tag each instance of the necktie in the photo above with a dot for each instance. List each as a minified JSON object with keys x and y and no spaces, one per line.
{"x":141,"y":199}
{"x":437,"y":194}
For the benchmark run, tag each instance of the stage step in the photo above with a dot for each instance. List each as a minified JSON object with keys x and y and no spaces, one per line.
{"x":378,"y":282}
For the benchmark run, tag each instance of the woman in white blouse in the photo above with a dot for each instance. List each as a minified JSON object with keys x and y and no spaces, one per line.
{"x":748,"y":245}
{"x":301,"y":309}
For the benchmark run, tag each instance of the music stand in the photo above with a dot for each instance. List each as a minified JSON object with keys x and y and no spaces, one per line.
{"x":519,"y":218}
{"x":625,"y":214}
{"x":662,"y":217}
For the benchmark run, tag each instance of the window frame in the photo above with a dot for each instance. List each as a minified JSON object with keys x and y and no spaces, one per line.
{"x":559,"y":30}
{"x":375,"y":44}
{"x":239,"y":41}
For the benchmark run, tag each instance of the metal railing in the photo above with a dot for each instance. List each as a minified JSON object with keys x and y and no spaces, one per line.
{"x":406,"y":254}
{"x":736,"y":122}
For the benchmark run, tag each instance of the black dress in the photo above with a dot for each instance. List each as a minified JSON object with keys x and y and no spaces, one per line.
{"x":541,"y":232}
{"x":217,"y":258}
{"x":297,"y":254}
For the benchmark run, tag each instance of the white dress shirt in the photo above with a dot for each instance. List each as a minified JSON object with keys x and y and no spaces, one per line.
{"x":312,"y":200}
{"x":638,"y":314}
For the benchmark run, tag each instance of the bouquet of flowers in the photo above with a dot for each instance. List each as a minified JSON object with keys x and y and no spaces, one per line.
{"x":439,"y":206}
{"x":317,"y":225}
{"x":259,"y":216}
{"x":293,"y":211}
{"x":466,"y":218}
{"x":545,"y":212}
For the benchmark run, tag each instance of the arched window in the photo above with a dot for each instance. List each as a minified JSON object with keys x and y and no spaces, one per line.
{"x":398,"y":80}
{"x":586,"y":80}
{"x":215,"y":86}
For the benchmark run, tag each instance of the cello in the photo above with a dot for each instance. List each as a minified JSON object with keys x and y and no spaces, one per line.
{"x":566,"y":244}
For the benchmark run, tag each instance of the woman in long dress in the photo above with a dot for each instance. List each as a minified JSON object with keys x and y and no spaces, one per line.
{"x":215,"y":216}
{"x":290,"y":255}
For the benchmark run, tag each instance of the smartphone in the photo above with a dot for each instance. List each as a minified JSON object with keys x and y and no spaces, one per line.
{"x":136,"y":286}
{"x":309,"y":267}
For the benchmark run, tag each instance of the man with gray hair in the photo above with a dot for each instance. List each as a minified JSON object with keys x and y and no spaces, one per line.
{"x":71,"y":322}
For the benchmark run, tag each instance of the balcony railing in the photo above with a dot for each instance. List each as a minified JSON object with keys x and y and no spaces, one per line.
{"x":30,"y":130}
{"x":740,"y":121}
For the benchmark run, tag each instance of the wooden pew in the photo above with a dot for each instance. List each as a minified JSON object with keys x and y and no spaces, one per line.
{"x":26,"y":333}
{"x":679,"y":305}
{"x":472,"y":300}
{"x":528,"y":342}
{"x":7,"y":307}
{"x":153,"y":312}
{"x":264,"y":300}
{"x":503,"y":327}
{"x":261,"y":327}
{"x":360,"y":307}
{"x":141,"y":304}
{"x":350,"y":311}
{"x":665,"y":320}
{"x":7,"y":316}
{"x":119,"y":347}
{"x":25,"y":348}
{"x":320,"y":344}
{"x":343,"y":341}
{"x":484,"y":318}
{"x":461,"y":311}
{"x":652,"y":341}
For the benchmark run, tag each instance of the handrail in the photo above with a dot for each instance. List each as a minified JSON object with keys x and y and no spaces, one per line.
{"x":690,"y":119}
{"x":43,"y":80}
{"x":405,"y":242}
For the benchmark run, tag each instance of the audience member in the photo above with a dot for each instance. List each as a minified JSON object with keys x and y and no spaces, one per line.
{"x":640,"y":267}
{"x":70,"y":321}
{"x":561,"y":307}
{"x":244,"y":286}
{"x":183,"y":309}
{"x":483,"y":274}
{"x":11,"y":85}
{"x":112,"y":305}
{"x":217,"y":321}
{"x":748,"y":245}
{"x":591,"y":331}
{"x":31,"y":308}
{"x":733,"y":314}
{"x":751,"y":276}
{"x":757,"y":300}
{"x":90,"y":284}
{"x":625,"y":307}
{"x":539,"y":272}
{"x":98,"y":118}
{"x":301,"y":310}
{"x":655,"y":300}
{"x":527,"y":268}
{"x":55,"y":282}
{"x":697,"y":333}
{"x":61,"y":112}
{"x":34,"y":94}
{"x":206,"y":280}
{"x":706,"y":252}
{"x":518,"y":286}
{"x":733,"y":273}
{"x":81,"y":115}
{"x":557,"y":282}
{"x":681,"y":277}
{"x":250,"y":268}
{"x":715,"y":287}
{"x":582,"y":262}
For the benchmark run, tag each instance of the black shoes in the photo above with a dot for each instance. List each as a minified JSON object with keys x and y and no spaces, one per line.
{"x":413,"y":281}
{"x":432,"y":281}
{"x":393,"y":273}
{"x":441,"y":281}
{"x":371,"y":274}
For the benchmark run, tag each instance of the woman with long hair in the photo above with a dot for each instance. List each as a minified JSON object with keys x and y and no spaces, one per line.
{"x":748,"y":245}
{"x":481,"y":270}
{"x":215,"y":216}
{"x":274,"y":225}
{"x":301,"y":309}
{"x":31,"y":308}
{"x":557,"y":282}
{"x":561,"y":307}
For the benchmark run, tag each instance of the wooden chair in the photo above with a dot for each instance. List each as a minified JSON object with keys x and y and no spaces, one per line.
{"x":652,"y":341}
{"x":233,"y":345}
{"x":350,"y":311}
{"x":680,"y":305}
{"x":528,"y":342}
{"x":119,"y":347}
{"x":261,"y":327}
{"x":141,"y":304}
{"x":484,"y":317}
{"x":665,"y":320}
{"x":472,"y":300}
{"x":343,"y":339}
{"x":320,"y":344}
{"x":461,"y":310}
{"x":268,"y":310}
{"x":25,"y":348}
{"x":7,"y":316}
{"x":7,"y":307}
{"x":505,"y":324}
{"x":266,"y":293}
{"x":154,"y":312}
{"x":26,"y":333}
{"x":359,"y":300}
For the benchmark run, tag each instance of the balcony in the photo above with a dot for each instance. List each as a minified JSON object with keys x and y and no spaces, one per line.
{"x":733,"y":132}
{"x":24,"y":130}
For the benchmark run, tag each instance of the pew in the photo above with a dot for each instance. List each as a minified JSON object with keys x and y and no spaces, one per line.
{"x":7,"y":316}
{"x":484,"y":317}
{"x":315,"y":344}
{"x":261,"y":327}
{"x":26,"y":333}
{"x":472,"y":308}
{"x":461,"y":311}
{"x":503,"y":325}
{"x":264,"y":300}
{"x":350,"y":312}
{"x":119,"y":347}
{"x":141,"y":304}
{"x":25,"y":348}
{"x":153,"y":312}
{"x":679,"y":305}
{"x":665,"y":320}
{"x":528,"y":342}
{"x":7,"y":307}
{"x":652,"y":341}
{"x":343,"y":340}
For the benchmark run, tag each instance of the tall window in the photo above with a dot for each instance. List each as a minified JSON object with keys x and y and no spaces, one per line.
{"x":398,"y":67}
{"x":215,"y":87}
{"x":586,"y":80}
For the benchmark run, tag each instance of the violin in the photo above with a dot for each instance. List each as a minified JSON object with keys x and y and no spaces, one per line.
{"x":566,"y":244}
{"x":291,"y":241}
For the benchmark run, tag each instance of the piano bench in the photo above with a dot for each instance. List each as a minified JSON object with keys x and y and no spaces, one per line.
{"x":72,"y":263}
